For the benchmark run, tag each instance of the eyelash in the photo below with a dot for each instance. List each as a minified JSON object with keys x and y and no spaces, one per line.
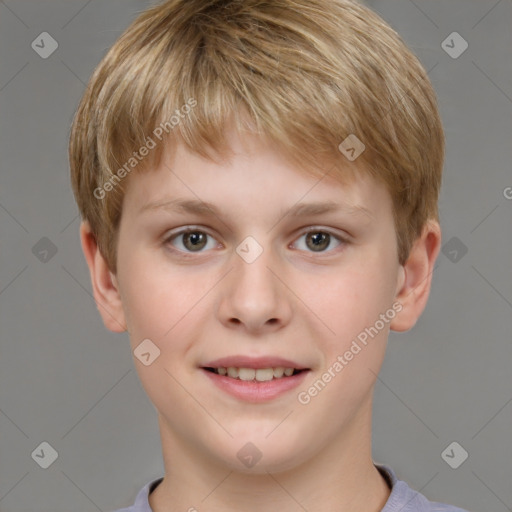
{"x":190,"y":254}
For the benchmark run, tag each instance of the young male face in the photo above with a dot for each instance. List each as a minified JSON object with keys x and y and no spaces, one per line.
{"x":289,"y":302}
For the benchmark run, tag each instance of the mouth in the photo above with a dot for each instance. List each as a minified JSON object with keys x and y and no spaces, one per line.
{"x":255,"y":380}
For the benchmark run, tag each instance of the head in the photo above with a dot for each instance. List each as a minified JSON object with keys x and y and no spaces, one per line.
{"x":243,"y":105}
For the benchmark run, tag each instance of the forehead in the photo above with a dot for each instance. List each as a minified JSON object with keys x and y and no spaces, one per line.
{"x":255,"y":175}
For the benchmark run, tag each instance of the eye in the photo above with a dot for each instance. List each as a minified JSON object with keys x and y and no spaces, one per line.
{"x":318,"y":240}
{"x":190,"y":240}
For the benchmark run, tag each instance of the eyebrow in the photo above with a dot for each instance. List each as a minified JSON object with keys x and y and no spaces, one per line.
{"x":194,"y":206}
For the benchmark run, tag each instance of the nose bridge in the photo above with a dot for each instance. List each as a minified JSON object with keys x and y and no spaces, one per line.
{"x":252,"y":276}
{"x":253,"y":296}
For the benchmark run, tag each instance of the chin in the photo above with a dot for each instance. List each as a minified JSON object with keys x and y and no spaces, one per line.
{"x":258,"y":454}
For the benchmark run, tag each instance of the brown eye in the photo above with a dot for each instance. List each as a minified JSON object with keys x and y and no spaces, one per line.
{"x":191,"y":240}
{"x":195,"y":240}
{"x":318,"y":241}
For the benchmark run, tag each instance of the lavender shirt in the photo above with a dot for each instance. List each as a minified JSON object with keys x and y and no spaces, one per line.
{"x":401,"y":499}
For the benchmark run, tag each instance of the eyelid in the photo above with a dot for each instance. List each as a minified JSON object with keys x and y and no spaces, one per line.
{"x":331,"y":231}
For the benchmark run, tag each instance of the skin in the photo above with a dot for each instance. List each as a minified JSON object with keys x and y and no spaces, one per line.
{"x":292,"y":302}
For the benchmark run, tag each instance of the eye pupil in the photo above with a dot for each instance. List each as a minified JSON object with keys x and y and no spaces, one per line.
{"x":196,"y":238}
{"x":320,"y":240}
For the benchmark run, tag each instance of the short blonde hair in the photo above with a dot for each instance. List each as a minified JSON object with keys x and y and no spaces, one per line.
{"x":307,"y":73}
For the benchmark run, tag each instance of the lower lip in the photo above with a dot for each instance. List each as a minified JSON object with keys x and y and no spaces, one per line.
{"x":254,"y":391}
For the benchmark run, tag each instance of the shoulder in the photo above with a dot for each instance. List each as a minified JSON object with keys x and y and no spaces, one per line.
{"x":405,"y":499}
{"x":142,"y":500}
{"x":442,"y":507}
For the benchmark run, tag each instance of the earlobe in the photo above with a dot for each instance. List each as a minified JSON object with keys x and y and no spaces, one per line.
{"x":104,"y":282}
{"x":417,"y":277}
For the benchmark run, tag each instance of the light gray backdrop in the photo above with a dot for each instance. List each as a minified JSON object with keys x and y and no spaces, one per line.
{"x":66,"y":381}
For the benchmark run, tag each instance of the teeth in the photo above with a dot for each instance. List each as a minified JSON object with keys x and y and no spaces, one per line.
{"x":261,"y":374}
{"x":278,"y":372}
{"x":246,"y":373}
{"x":264,"y":374}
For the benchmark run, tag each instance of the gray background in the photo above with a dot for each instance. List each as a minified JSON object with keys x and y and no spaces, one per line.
{"x":66,"y":380}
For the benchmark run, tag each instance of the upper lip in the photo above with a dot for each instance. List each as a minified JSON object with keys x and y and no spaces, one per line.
{"x":254,"y":362}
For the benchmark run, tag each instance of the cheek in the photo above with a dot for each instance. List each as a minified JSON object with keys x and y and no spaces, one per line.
{"x":351,"y":306}
{"x":164,"y":303}
{"x":353,"y":355}
{"x":153,"y":299}
{"x":353,"y":302}
{"x":161,"y":305}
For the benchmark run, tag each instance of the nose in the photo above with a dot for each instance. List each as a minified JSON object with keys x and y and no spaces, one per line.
{"x":253,"y":298}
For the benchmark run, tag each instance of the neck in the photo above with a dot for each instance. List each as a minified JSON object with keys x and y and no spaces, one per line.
{"x":342,"y":477}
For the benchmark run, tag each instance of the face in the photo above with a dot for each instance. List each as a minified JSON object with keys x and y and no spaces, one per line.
{"x":254,"y":282}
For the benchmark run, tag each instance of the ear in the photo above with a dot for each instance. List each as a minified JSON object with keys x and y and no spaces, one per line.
{"x":416,"y":277}
{"x":104,"y":283}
